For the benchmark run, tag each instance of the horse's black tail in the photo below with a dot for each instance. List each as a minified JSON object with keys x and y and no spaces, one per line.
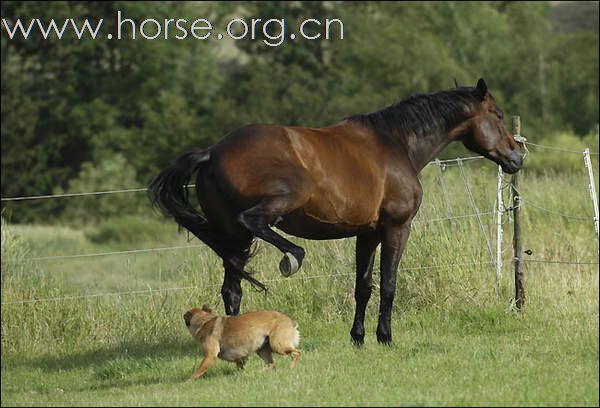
{"x":169,"y":192}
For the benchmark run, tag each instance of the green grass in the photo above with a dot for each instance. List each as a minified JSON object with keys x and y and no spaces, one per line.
{"x":470,"y":357}
{"x":457,"y":338}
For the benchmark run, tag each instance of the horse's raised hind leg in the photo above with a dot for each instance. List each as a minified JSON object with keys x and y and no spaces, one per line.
{"x":392,"y":247}
{"x":365,"y":255}
{"x":257,"y":220}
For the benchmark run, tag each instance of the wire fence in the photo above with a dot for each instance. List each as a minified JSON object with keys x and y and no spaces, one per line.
{"x":139,"y":189}
{"x":564,"y":215}
{"x":444,"y":163}
{"x":147,"y":292}
{"x":142,"y":250}
{"x":555,"y":261}
{"x":124,"y":252}
{"x":42,"y":197}
{"x":558,"y":149}
{"x":440,"y":163}
{"x":152,"y":291}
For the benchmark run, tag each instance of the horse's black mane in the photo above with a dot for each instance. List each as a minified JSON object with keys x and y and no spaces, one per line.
{"x":421,"y":113}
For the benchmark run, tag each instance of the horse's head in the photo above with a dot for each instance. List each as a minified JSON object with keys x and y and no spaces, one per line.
{"x":487,"y":135}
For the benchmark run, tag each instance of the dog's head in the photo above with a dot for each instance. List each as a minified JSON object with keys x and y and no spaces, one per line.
{"x":197,"y":317}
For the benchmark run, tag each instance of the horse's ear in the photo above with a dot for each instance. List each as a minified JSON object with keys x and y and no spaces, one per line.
{"x":481,"y":88}
{"x":206,"y":308}
{"x":455,"y":83}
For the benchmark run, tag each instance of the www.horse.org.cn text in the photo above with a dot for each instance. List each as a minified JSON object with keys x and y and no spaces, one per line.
{"x":272,"y":32}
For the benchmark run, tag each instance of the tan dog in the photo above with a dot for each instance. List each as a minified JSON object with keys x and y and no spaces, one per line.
{"x":234,"y":338}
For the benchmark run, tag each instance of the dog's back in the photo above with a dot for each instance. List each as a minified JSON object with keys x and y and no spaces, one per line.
{"x":235,"y":338}
{"x":244,"y":334}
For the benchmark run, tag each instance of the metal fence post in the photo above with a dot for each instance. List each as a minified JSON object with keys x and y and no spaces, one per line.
{"x":592,"y":187}
{"x":500,"y":210}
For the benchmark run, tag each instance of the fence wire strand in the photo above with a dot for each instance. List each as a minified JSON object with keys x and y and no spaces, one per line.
{"x":142,"y":250}
{"x":441,"y":163}
{"x":134,"y":190}
{"x":539,"y":207}
{"x":474,"y":205}
{"x":558,"y":149}
{"x":153,"y":291}
{"x":41,"y":197}
{"x":128,"y":251}
{"x":554,"y":261}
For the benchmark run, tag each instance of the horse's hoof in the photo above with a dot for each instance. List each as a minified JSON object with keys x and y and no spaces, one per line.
{"x":289,"y":265}
{"x":358,"y":335}
{"x":358,"y":341}
{"x":386,"y":340}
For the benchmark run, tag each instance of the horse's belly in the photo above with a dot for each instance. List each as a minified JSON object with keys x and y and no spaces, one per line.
{"x":335,"y":206}
{"x":303,"y":225}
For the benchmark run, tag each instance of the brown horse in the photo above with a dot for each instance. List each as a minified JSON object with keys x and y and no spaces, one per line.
{"x":355,"y":178}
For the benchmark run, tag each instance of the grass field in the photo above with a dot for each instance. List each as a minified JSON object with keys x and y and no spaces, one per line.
{"x":457,"y":338}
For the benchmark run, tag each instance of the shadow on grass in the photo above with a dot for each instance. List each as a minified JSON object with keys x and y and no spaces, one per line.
{"x":125,"y":350}
{"x":124,"y":365}
{"x":164,"y":376}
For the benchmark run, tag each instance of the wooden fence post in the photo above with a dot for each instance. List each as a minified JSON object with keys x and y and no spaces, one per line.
{"x":517,"y":221}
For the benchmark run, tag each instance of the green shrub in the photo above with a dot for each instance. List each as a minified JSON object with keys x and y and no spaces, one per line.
{"x":14,"y":252}
{"x":132,"y":229}
{"x":546,"y":160}
{"x":109,"y":174}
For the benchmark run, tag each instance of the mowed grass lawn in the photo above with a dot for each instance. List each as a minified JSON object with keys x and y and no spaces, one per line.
{"x":472,"y":357}
{"x":457,"y":339}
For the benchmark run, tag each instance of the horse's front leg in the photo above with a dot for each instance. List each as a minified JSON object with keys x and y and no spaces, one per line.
{"x":392,"y":247}
{"x":365,"y":255}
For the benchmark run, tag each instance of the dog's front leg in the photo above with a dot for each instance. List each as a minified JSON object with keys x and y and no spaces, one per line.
{"x":210,"y":349}
{"x":206,"y":363}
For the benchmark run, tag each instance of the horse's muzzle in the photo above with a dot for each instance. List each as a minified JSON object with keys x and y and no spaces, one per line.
{"x":513,"y":162}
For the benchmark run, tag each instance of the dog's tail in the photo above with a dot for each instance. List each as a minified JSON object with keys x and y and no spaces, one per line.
{"x":296,"y":340}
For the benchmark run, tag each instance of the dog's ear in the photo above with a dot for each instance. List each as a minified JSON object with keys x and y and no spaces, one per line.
{"x":187,"y":317}
{"x":206,"y":308}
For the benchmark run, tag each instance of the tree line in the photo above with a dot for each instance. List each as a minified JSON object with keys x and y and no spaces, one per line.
{"x":80,"y":115}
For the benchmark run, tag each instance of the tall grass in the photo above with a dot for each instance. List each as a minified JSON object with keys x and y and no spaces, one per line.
{"x":447,"y":294}
{"x":447,"y":265}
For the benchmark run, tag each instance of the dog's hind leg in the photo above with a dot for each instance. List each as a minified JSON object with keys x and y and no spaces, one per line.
{"x":295,"y":354}
{"x":241,"y":362}
{"x":282,"y":345}
{"x":265,"y":353}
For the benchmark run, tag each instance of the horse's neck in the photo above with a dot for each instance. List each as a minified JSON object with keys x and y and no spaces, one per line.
{"x":424,"y":148}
